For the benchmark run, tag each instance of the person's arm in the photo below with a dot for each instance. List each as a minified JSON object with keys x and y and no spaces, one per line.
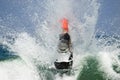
{"x":70,"y":46}
{"x":70,"y":50}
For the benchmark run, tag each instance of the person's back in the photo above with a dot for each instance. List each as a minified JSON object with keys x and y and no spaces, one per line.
{"x":65,"y":54}
{"x":64,"y":42}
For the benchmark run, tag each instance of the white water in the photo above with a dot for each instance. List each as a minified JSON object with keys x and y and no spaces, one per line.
{"x":47,"y":30}
{"x":82,"y":16}
{"x":17,"y":70}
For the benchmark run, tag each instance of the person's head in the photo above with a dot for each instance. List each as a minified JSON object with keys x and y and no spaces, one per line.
{"x":66,"y":36}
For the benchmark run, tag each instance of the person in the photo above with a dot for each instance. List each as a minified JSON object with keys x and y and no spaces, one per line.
{"x":65,"y":53}
{"x":65,"y":44}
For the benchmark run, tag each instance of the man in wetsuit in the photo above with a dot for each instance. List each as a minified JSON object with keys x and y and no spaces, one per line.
{"x":64,"y":49}
{"x":65,"y":57}
{"x":65,"y":45}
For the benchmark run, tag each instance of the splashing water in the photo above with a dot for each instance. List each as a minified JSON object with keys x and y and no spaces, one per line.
{"x":36,"y":42}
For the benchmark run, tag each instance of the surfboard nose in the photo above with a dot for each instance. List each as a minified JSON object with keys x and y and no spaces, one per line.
{"x":65,"y":24}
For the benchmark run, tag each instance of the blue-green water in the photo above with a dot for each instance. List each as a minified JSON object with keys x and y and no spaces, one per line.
{"x":91,"y":71}
{"x":5,"y":54}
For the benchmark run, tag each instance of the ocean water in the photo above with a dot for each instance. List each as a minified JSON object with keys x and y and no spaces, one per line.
{"x":29,"y":32}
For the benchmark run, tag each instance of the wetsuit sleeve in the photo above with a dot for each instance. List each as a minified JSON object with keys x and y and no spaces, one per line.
{"x":60,"y":36}
{"x":71,"y":51}
{"x":70,"y":47}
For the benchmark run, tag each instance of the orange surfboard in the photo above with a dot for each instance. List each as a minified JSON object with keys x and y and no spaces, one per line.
{"x":65,"y":24}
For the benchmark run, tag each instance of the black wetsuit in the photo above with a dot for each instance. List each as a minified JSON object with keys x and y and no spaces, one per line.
{"x":64,"y":41}
{"x":65,"y":37}
{"x":64,"y":44}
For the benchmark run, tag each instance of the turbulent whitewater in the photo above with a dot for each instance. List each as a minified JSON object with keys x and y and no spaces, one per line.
{"x":29,"y":38}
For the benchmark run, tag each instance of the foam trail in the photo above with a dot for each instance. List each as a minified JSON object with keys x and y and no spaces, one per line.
{"x":30,"y":52}
{"x":27,"y":47}
{"x":17,"y":70}
{"x":65,"y":77}
{"x":107,"y":60}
